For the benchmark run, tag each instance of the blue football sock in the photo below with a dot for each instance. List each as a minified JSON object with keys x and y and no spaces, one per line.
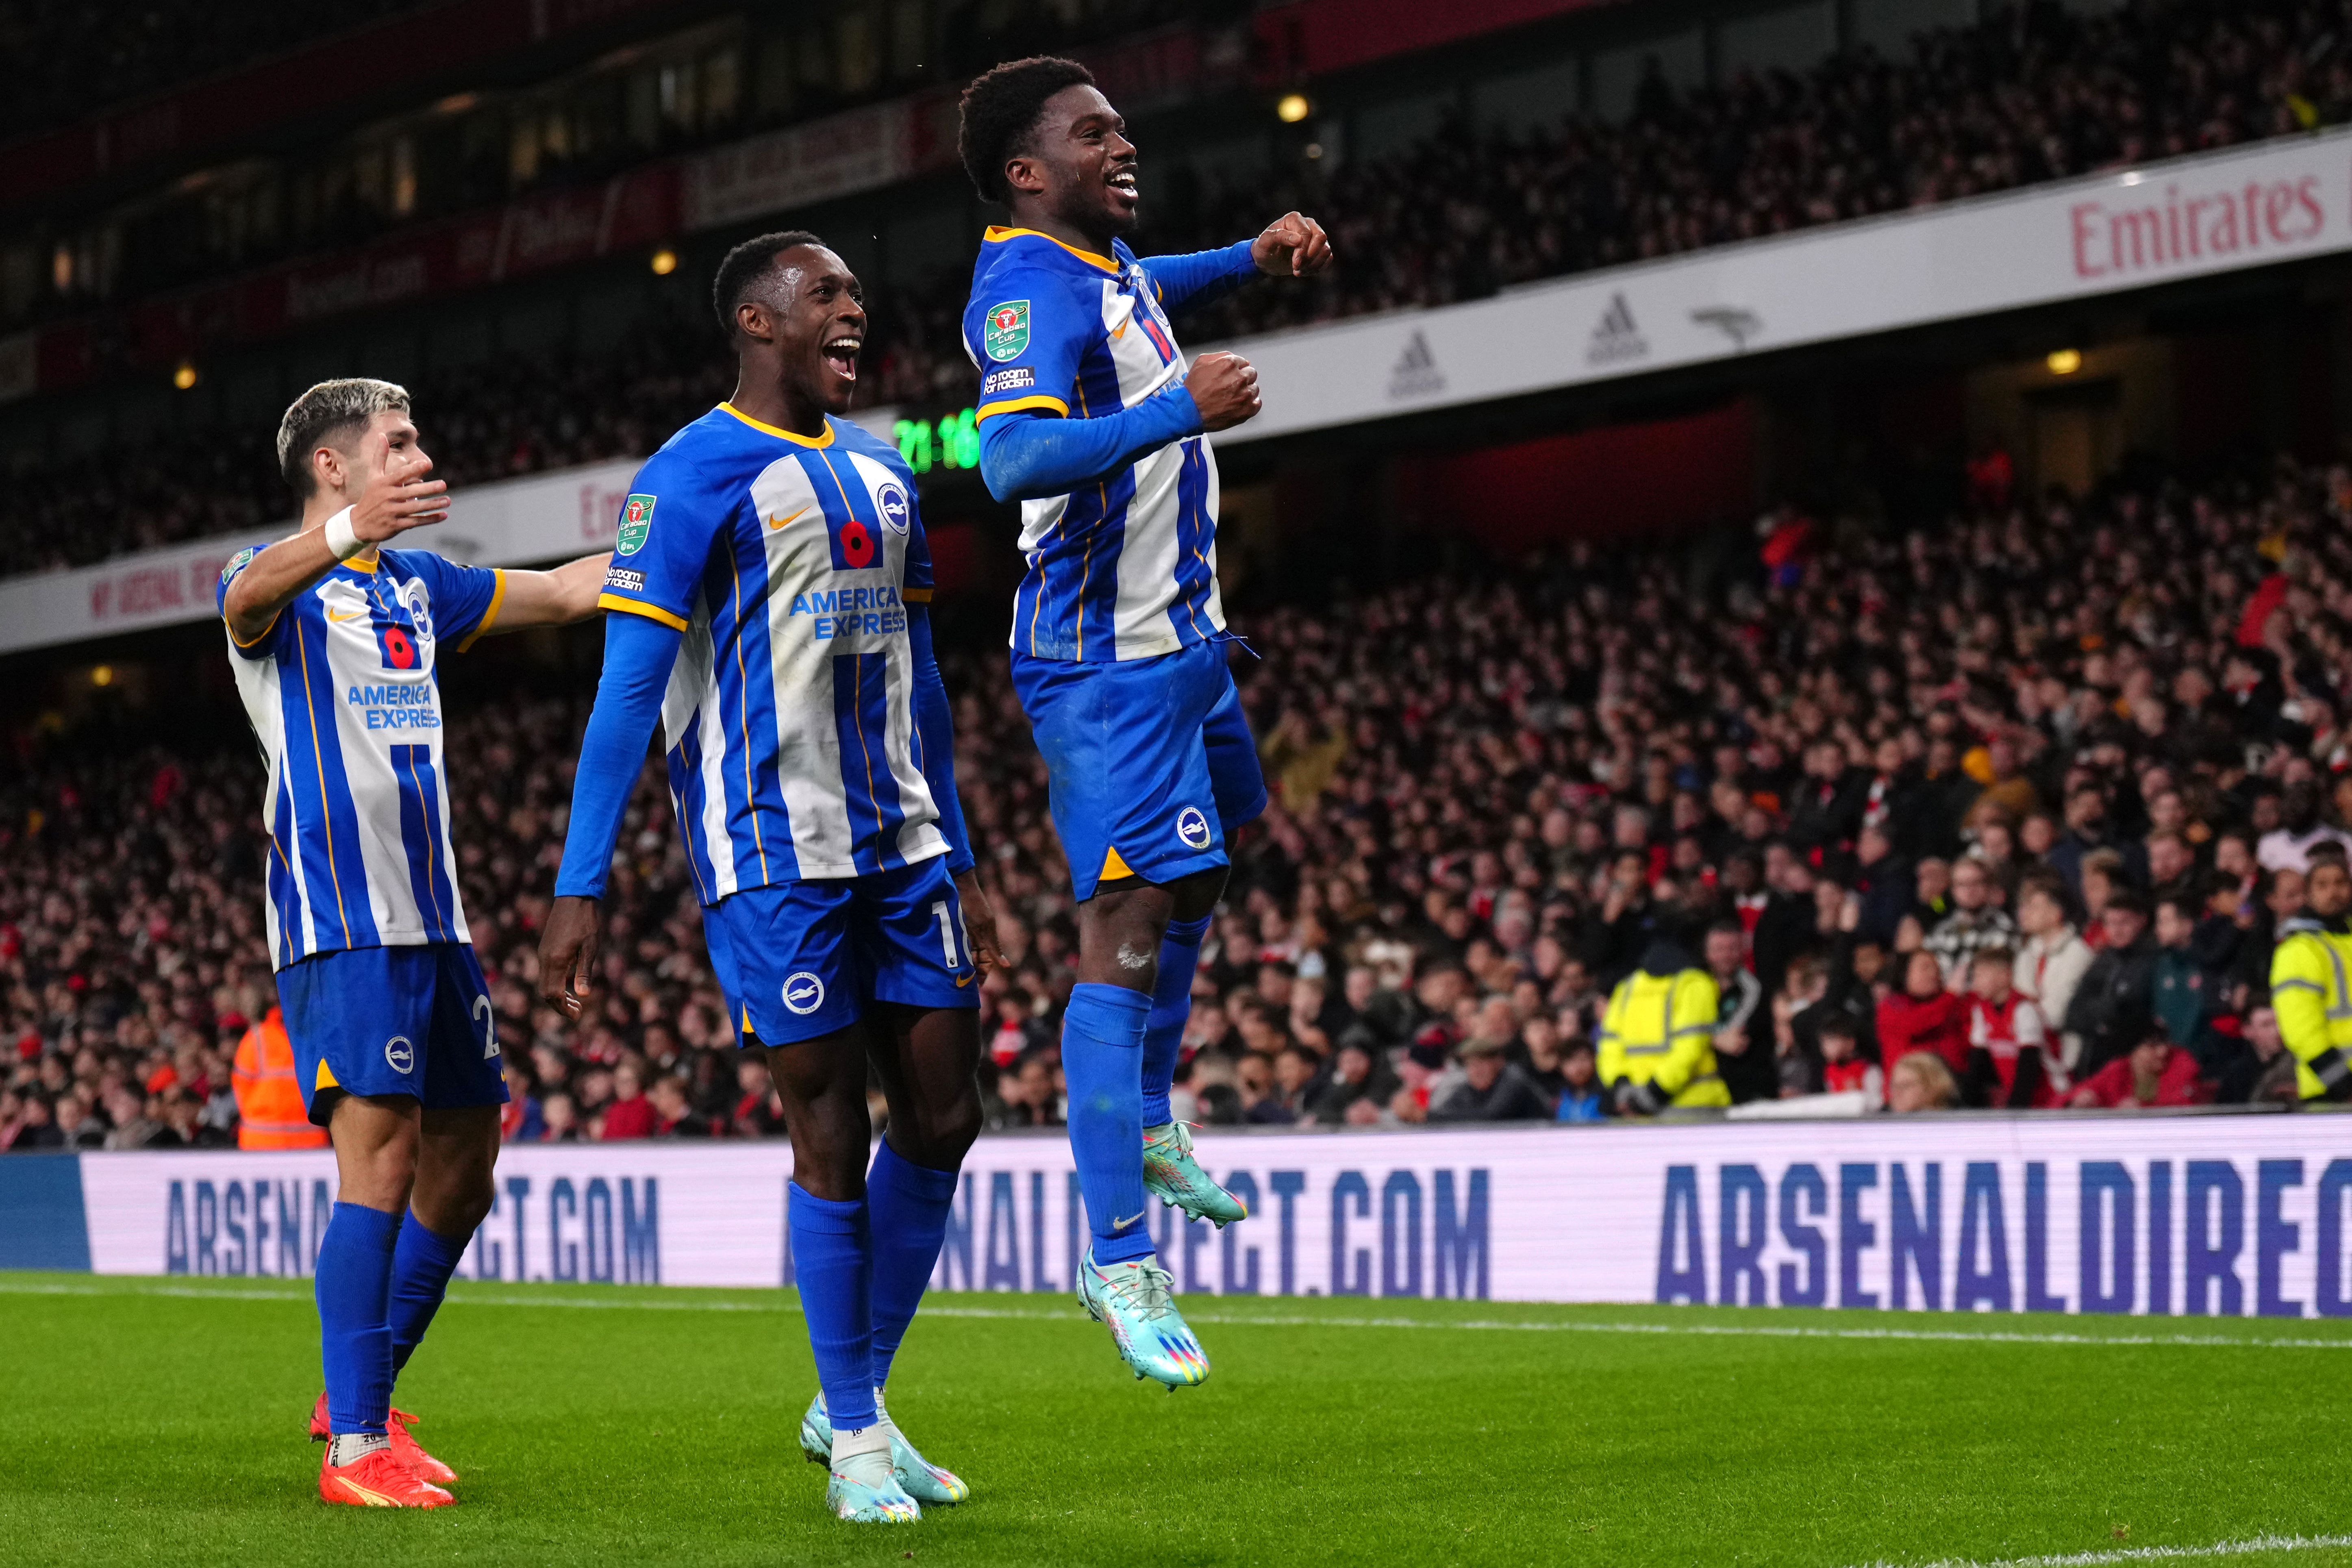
{"x":907,"y":1205}
{"x":354,"y":1291}
{"x":1102,"y":1063}
{"x":421,"y":1266}
{"x":1172,"y":1005}
{"x":834,"y":1265}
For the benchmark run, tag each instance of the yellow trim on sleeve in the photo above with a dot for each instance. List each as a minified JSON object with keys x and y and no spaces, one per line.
{"x":998,"y":235}
{"x":916,"y":596}
{"x":1010,"y":404}
{"x":497,"y":598}
{"x":651,"y":612}
{"x":264,"y":632}
{"x":767,"y":429}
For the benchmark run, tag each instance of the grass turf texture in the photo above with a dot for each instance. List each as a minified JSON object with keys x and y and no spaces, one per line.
{"x":141,"y":1421}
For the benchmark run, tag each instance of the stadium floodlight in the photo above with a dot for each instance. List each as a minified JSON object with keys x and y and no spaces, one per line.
{"x":2064,"y":362}
{"x":184,"y":376}
{"x":664,"y":262}
{"x":1291,"y":108}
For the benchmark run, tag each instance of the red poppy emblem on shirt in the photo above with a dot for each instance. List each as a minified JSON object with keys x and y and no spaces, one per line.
{"x":398,"y":649}
{"x":856,"y":544}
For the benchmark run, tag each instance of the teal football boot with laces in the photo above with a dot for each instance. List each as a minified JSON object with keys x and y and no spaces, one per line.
{"x":1172,"y":1175}
{"x":1137,"y":1301}
{"x":921,"y":1480}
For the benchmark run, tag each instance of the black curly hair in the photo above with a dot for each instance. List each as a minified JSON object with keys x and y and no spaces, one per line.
{"x":1000,"y":109}
{"x":746,"y":264}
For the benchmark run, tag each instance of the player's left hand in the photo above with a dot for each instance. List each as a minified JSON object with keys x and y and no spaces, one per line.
{"x":980,"y":925}
{"x":1293,"y":246}
{"x":567,"y":953}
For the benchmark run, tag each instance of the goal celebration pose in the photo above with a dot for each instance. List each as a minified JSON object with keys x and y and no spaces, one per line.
{"x":773,"y":584}
{"x":1090,"y":416}
{"x":334,"y":641}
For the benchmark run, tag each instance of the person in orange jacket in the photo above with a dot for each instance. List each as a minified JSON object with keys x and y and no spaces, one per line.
{"x":269,"y":1109}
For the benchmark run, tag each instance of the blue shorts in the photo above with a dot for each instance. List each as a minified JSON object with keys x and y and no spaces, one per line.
{"x":412,"y":1020}
{"x":1151,"y":762}
{"x":801,"y":959}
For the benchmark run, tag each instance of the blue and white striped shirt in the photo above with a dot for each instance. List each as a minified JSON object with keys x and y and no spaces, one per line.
{"x":341,"y":693}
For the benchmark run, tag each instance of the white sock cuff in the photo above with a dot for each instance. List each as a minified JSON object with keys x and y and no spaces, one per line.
{"x":849,"y":1442}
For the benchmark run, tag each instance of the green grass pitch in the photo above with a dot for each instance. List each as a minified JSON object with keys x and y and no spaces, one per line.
{"x":147,"y":1422}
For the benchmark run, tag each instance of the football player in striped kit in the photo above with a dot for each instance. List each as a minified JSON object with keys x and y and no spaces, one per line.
{"x":1091,"y":417}
{"x":771,"y":590}
{"x":335,"y":640}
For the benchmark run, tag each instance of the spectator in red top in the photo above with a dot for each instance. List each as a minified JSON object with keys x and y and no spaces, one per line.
{"x":631,"y":1114}
{"x":1923,"y":1016}
{"x":2153,"y":1073}
{"x":2011,"y":1064}
{"x":1843,"y":1070}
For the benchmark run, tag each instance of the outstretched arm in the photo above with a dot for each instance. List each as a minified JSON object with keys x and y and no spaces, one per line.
{"x":638,"y":654}
{"x":554,"y":599}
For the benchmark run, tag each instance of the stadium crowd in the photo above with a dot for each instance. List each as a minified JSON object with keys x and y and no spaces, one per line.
{"x":2035,"y":93}
{"x":2006,"y":812}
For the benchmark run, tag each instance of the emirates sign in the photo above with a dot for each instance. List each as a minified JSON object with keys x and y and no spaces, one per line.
{"x":2276,"y":201}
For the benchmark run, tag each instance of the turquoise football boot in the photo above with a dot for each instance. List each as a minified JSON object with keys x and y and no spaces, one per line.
{"x":1138,"y":1300}
{"x":921,"y":1480}
{"x":1172,"y":1175}
{"x":863,"y":1490}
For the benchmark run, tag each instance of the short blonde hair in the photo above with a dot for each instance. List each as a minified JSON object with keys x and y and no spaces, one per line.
{"x":325,"y":413}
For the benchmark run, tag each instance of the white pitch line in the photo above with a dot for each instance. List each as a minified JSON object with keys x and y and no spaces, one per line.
{"x":1255,"y":1319}
{"x":2144,"y":1554}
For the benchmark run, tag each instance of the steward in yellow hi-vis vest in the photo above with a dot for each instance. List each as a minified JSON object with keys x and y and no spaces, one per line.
{"x":2310,"y":991}
{"x":1657,"y":1039}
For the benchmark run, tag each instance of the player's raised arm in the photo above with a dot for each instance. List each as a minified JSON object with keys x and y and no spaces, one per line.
{"x":1292,"y":246}
{"x":352,"y":501}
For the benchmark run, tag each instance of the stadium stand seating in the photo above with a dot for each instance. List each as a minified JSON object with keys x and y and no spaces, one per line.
{"x":2037,"y":94}
{"x":1500,"y":788}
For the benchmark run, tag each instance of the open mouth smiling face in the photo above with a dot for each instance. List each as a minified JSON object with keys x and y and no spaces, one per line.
{"x":841,"y":351}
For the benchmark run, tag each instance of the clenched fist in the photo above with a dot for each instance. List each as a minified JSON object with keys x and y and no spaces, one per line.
{"x":1224,"y":386}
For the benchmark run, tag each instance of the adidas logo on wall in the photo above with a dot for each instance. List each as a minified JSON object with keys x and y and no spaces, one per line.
{"x":1416,"y":373}
{"x":1616,"y":338}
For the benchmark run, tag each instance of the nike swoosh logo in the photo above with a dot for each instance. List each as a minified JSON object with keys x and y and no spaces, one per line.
{"x":784,"y":521}
{"x":963,"y":981}
{"x":1123,"y":1224}
{"x":1119,"y":331}
{"x":353,"y":615}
